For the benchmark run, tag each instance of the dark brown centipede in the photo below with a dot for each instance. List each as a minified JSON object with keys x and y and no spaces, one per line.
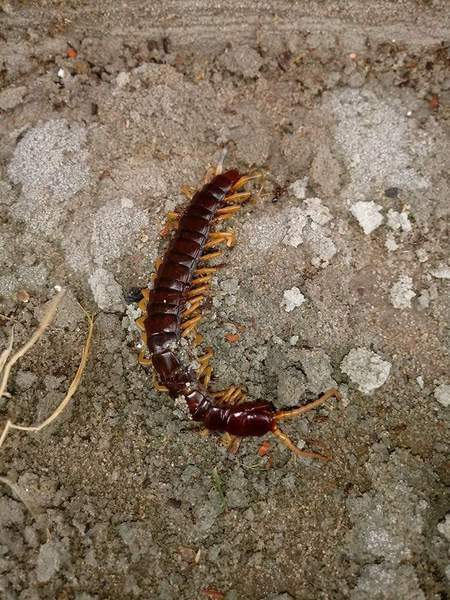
{"x":171,"y":310}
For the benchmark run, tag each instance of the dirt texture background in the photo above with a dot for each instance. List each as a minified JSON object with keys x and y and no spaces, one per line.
{"x":339,"y":277}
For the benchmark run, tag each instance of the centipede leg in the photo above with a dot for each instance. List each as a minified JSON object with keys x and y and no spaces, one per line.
{"x":284,"y":439}
{"x":295,"y":412}
{"x":143,"y":359}
{"x":171,"y":223}
{"x":216,"y":238}
{"x":238,"y":198}
{"x":188,"y":191}
{"x":226,"y":213}
{"x":158,"y":387}
{"x":189,"y":325}
{"x":245,"y":179}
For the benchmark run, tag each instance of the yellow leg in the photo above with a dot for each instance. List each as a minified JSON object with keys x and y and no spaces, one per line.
{"x":188,"y":191}
{"x":197,"y":340}
{"x":205,"y":270}
{"x":201,"y":280}
{"x":238,"y":198}
{"x":218,"y":237}
{"x":189,"y":325}
{"x":227,"y":211}
{"x":143,"y":359}
{"x":210,"y":255}
{"x":231,"y":395}
{"x":295,"y":412}
{"x":245,"y":179}
{"x":194,"y":305}
{"x":204,"y":360}
{"x":206,"y":377}
{"x":293,"y":448}
{"x":158,"y":387}
{"x":140,"y":323}
{"x":198,"y":291}
{"x":157,"y":263}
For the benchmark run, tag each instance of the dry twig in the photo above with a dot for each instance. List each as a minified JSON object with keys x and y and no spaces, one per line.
{"x":5,"y":370}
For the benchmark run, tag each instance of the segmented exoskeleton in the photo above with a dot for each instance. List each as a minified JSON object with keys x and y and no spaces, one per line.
{"x":172,"y":310}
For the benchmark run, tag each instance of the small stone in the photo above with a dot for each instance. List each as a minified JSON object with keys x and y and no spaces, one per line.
{"x":402,"y":293}
{"x":48,"y":562}
{"x":391,"y":244}
{"x":442,"y":272}
{"x":444,"y":527}
{"x":420,"y":382}
{"x":12,"y":97}
{"x":366,"y":369}
{"x":293,"y":340}
{"x":422,"y":255}
{"x":396,"y":220}
{"x":122,"y":79}
{"x":368,"y":215}
{"x":424,"y":299}
{"x":298,"y":188}
{"x":25,"y":380}
{"x":292,"y":298}
{"x":442,"y":394}
{"x":107,"y":292}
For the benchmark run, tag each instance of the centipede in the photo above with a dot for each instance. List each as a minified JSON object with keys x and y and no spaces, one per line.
{"x":171,"y":310}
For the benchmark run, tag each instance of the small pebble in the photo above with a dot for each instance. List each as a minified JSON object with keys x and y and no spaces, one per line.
{"x":442,"y":394}
{"x":368,"y":215}
{"x":292,"y":298}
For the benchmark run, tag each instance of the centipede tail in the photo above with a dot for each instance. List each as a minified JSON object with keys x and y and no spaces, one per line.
{"x":171,"y":310}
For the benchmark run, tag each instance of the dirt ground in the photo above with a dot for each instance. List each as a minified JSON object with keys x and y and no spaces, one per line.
{"x":339,"y":277}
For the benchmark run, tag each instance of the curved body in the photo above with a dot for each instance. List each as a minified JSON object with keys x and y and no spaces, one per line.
{"x":163,"y":322}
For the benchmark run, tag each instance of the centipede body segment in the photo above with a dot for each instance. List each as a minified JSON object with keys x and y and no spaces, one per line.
{"x":172,"y":310}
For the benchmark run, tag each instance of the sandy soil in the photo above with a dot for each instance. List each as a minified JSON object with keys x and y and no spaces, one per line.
{"x":339,"y":277}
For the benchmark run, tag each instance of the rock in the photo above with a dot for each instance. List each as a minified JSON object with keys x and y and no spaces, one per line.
{"x":396,"y":220}
{"x":442,"y":272}
{"x":368,"y":215}
{"x":442,"y":394}
{"x":242,"y":60}
{"x":402,"y":293}
{"x":107,"y":292}
{"x":384,"y":582}
{"x":298,"y":188}
{"x":316,"y":365}
{"x":366,"y":369}
{"x":49,"y":561}
{"x":292,"y":298}
{"x":25,"y":380}
{"x":12,"y":97}
{"x":444,"y":527}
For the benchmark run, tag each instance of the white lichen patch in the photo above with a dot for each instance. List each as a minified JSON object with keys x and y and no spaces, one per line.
{"x":292,"y":298}
{"x":402,"y":292}
{"x":365,"y":369}
{"x":307,"y":225}
{"x":442,"y":394}
{"x":48,"y":184}
{"x":442,"y":272}
{"x":390,"y":244}
{"x":106,"y":291}
{"x":444,"y":527}
{"x":367,"y":214}
{"x":114,"y":225}
{"x":398,"y":220}
{"x":298,"y":188}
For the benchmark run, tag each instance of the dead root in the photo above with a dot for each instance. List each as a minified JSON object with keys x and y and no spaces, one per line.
{"x":6,"y":364}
